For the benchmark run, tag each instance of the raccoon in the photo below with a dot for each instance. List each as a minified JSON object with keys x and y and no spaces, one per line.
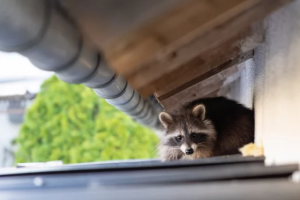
{"x":205,"y":128}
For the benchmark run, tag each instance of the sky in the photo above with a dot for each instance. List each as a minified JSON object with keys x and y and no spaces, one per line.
{"x":15,"y":67}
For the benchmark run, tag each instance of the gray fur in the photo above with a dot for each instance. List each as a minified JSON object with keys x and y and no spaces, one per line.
{"x":211,"y":127}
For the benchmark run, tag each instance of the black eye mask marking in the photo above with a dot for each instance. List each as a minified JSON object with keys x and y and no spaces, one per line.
{"x":198,"y":137}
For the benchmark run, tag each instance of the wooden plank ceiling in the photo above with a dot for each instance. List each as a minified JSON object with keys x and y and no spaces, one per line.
{"x":174,"y":49}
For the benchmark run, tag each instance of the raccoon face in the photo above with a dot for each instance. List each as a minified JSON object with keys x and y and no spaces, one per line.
{"x":190,"y":133}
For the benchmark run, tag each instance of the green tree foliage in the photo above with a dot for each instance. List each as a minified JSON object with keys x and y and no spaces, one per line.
{"x":71,"y":123}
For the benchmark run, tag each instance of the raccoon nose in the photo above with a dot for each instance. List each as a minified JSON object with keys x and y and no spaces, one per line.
{"x":189,"y":151}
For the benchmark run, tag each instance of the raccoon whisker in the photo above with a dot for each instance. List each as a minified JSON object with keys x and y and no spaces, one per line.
{"x":219,"y":125}
{"x":201,"y":146}
{"x":175,"y":148}
{"x":203,"y":143}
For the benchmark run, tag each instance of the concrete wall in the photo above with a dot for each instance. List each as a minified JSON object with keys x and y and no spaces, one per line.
{"x":240,"y":86}
{"x":277,"y":87}
{"x":271,"y":82}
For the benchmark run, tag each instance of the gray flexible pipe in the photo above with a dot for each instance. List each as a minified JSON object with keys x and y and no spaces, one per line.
{"x":39,"y":30}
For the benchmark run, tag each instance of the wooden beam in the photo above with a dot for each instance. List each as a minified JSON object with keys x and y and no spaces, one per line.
{"x":173,"y":82}
{"x":204,"y":87}
{"x":180,"y":36}
{"x":106,"y":20}
{"x":212,"y":94}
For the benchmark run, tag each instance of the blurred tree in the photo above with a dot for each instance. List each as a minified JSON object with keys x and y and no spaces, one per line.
{"x":71,"y":123}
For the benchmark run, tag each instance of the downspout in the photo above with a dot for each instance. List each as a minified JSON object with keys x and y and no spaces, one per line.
{"x":39,"y":30}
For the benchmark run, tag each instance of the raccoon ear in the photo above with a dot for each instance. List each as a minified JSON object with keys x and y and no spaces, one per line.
{"x":166,"y":119}
{"x":199,"y":111}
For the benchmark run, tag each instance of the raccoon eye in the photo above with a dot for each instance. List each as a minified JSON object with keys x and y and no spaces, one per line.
{"x":193,"y":135}
{"x":179,"y":138}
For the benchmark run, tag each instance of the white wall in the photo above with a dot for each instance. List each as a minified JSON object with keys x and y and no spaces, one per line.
{"x":240,"y":86}
{"x":273,"y":79}
{"x":277,"y":89}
